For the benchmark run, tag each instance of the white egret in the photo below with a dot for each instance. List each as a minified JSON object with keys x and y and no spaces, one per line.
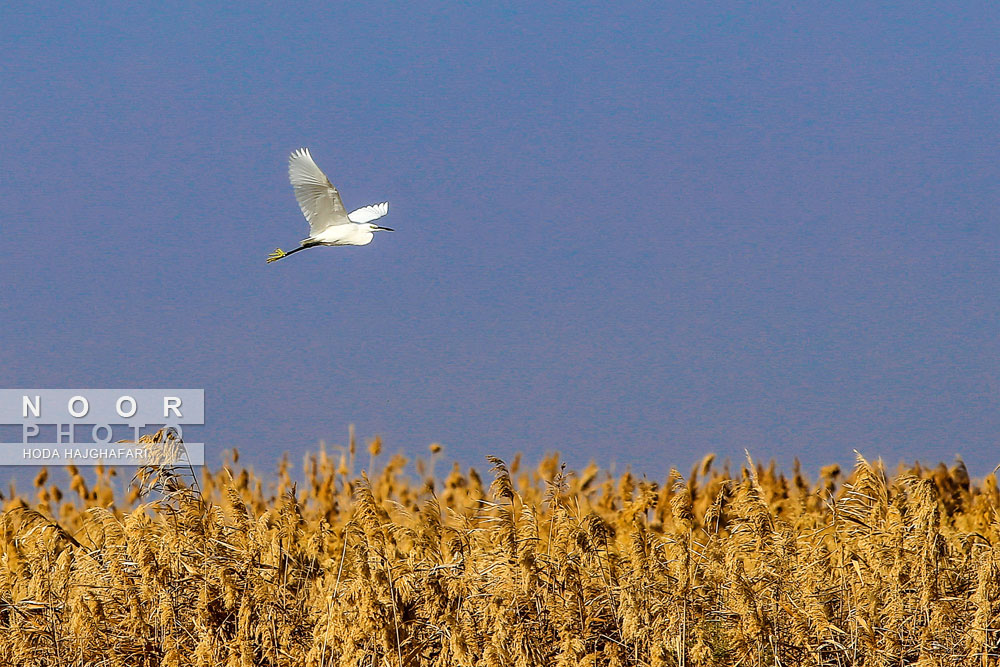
{"x":329,"y":221}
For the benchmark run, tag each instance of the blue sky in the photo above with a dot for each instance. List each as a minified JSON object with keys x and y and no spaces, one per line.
{"x":635,"y":233}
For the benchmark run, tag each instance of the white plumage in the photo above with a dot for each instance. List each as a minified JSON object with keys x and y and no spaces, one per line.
{"x":329,"y":222}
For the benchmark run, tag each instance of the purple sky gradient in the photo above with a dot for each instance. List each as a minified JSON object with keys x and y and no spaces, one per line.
{"x":633,"y":234}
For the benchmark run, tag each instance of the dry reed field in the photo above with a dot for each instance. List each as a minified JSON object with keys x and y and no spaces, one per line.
{"x":544,"y":566}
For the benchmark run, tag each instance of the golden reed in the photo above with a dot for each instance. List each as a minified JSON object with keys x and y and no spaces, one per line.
{"x":540,"y":567}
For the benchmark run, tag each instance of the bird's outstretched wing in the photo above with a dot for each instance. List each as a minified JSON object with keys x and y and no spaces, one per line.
{"x":369,"y":213}
{"x":318,"y":199}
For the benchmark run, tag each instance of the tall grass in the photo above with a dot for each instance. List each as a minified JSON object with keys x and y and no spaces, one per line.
{"x":538,"y":567}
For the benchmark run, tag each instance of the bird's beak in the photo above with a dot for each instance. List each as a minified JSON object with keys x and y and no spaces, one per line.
{"x":384,"y":229}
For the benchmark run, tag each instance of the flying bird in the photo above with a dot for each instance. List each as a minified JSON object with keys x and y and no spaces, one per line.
{"x":329,"y":222}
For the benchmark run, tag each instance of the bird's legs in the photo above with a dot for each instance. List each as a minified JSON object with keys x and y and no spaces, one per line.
{"x":279,"y":253}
